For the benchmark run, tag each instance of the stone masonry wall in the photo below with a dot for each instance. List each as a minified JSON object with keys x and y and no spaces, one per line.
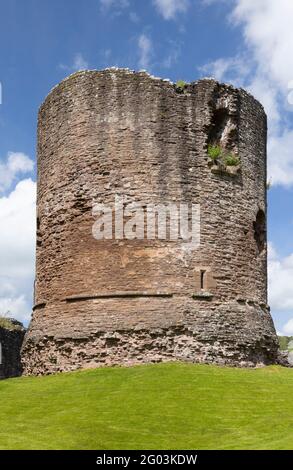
{"x":117,"y":132}
{"x":11,"y":342}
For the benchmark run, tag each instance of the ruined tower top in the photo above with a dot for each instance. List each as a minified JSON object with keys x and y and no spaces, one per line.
{"x":116,"y":136}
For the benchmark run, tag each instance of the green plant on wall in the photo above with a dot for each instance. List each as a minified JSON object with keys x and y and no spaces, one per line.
{"x":181,"y":85}
{"x":218,"y":155}
{"x":231,"y":160}
{"x":214,"y":152}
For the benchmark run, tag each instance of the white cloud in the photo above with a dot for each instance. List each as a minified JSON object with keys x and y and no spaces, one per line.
{"x":169,"y":9}
{"x":288,"y":328}
{"x":280,"y":281}
{"x":265,"y":68}
{"x":268,"y":33}
{"x":145,"y":47}
{"x":16,"y":164}
{"x":16,"y":307}
{"x":267,"y":28}
{"x":17,"y":249}
{"x":272,"y":253}
{"x":232,"y":69}
{"x":79,"y":63}
{"x":280,"y":163}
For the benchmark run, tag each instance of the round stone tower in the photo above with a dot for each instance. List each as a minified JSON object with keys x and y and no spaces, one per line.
{"x":117,"y":135}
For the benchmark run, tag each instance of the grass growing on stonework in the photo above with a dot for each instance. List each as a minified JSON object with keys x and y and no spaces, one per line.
{"x":166,"y":406}
{"x":8,"y":324}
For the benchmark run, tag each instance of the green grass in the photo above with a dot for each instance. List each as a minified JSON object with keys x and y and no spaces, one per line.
{"x":167,"y":406}
{"x":231,"y":160}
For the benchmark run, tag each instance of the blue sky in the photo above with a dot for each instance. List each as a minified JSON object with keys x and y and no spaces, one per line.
{"x":245,"y":42}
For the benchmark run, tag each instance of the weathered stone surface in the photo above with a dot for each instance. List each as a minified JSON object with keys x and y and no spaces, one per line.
{"x":285,"y":359}
{"x":118,"y":132}
{"x":11,"y":342}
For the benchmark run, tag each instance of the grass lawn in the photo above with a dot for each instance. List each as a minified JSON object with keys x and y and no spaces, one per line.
{"x":166,"y":406}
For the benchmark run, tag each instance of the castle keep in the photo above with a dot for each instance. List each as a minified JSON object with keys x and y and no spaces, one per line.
{"x":113,"y":301}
